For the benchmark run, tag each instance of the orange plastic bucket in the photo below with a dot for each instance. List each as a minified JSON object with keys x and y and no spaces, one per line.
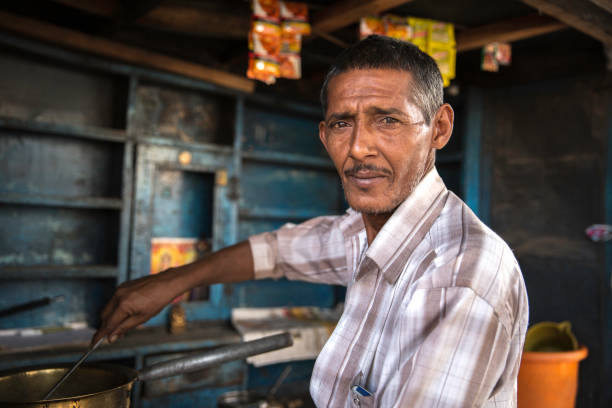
{"x":549,"y":379}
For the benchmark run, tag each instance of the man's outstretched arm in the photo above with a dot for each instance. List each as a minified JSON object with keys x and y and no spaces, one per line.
{"x":136,"y":301}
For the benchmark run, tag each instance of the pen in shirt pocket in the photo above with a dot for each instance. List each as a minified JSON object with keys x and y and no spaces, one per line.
{"x":359,"y":390}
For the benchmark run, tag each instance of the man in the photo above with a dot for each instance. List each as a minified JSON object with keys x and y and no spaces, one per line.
{"x":436,"y":308}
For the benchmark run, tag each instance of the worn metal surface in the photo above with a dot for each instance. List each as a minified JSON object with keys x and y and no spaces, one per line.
{"x":184,"y":115}
{"x":59,"y":166}
{"x":79,"y":131}
{"x":199,"y":361}
{"x":30,"y":90}
{"x":282,"y":292}
{"x":57,"y":236}
{"x":266,"y":129}
{"x":231,"y":374}
{"x":290,"y":187}
{"x":92,"y":386}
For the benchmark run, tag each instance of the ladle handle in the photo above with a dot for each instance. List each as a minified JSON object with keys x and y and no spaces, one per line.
{"x":72,"y":370}
{"x":215,"y":357}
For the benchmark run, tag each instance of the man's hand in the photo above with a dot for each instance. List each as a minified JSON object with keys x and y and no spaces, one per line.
{"x":135,"y":302}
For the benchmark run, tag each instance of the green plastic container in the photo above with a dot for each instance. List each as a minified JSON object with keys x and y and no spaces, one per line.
{"x":551,"y":337}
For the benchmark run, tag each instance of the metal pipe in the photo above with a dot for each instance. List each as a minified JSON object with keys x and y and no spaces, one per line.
{"x":31,"y":305}
{"x":215,"y":357}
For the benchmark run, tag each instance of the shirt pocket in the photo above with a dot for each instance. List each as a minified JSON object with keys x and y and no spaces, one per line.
{"x":358,"y":395}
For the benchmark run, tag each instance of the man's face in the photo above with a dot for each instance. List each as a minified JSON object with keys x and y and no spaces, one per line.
{"x":376,"y":137}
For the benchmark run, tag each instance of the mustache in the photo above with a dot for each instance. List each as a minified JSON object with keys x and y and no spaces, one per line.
{"x":368,"y":167}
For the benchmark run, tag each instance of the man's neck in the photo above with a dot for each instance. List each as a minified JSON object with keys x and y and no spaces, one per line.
{"x":374,"y":223}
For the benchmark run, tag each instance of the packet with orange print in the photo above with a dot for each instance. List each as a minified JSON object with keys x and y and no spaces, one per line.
{"x":266,"y":9}
{"x":290,"y":66}
{"x":371,"y":25}
{"x":294,"y":17}
{"x":291,"y":43}
{"x":397,"y":27}
{"x":265,"y":38}
{"x":263,"y":69}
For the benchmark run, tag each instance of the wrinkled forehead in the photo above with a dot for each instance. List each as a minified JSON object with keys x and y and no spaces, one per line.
{"x":383,"y":87}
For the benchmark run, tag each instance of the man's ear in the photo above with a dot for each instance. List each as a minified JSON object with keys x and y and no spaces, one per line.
{"x":322,"y":136}
{"x":442,"y":126}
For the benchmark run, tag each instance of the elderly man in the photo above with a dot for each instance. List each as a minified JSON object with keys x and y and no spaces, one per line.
{"x":436,"y":308}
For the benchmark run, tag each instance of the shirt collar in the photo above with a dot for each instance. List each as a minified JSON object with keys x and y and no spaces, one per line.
{"x":407,"y":227}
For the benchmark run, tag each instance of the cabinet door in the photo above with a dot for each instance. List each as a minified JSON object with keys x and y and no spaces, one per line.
{"x":181,"y":211}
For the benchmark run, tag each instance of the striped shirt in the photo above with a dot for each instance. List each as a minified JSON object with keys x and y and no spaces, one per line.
{"x":435,"y":312}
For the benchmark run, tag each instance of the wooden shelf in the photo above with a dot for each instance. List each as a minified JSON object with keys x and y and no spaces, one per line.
{"x":100,"y":203}
{"x":289,"y":158}
{"x":88,"y":132}
{"x":58,"y":271}
{"x":278,"y":213}
{"x":179,"y":144}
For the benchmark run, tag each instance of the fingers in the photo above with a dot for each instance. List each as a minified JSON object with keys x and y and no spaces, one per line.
{"x":124,"y":326}
{"x":112,"y":316}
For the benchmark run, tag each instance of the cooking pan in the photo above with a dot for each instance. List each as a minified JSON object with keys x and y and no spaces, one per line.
{"x":107,"y":385}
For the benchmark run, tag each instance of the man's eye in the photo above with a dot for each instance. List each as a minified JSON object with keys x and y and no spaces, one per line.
{"x":387,"y":120}
{"x":339,"y":124}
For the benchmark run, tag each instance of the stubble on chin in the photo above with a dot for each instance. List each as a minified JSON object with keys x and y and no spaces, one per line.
{"x":393,"y":200}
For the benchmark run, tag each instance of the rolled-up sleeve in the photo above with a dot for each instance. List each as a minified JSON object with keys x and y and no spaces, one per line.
{"x":313,"y":251}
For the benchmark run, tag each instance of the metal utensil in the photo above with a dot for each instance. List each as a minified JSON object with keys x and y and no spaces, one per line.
{"x":110,"y":385}
{"x":74,"y":367}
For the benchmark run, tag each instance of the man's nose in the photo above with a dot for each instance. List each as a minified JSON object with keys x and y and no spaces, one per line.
{"x":363,"y":142}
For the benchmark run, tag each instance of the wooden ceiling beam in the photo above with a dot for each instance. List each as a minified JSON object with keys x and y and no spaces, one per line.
{"x":174,"y":17}
{"x":583,"y":15}
{"x":604,"y":4}
{"x":100,"y":46}
{"x":107,"y":8}
{"x":508,"y":30}
{"x":197,"y":21}
{"x":346,"y":12}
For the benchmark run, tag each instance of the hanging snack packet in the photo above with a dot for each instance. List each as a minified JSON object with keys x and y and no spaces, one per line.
{"x":265,"y":39}
{"x":420,"y":29}
{"x":291,"y":43}
{"x":371,"y":25}
{"x":266,"y":10}
{"x":397,"y":27}
{"x":488,"y":61}
{"x":503,"y":53}
{"x":290,"y":66}
{"x":445,"y":57}
{"x":263,"y":69}
{"x":441,"y":33}
{"x":294,"y":17}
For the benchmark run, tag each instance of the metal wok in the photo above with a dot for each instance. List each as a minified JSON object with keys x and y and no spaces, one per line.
{"x":106,"y":385}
